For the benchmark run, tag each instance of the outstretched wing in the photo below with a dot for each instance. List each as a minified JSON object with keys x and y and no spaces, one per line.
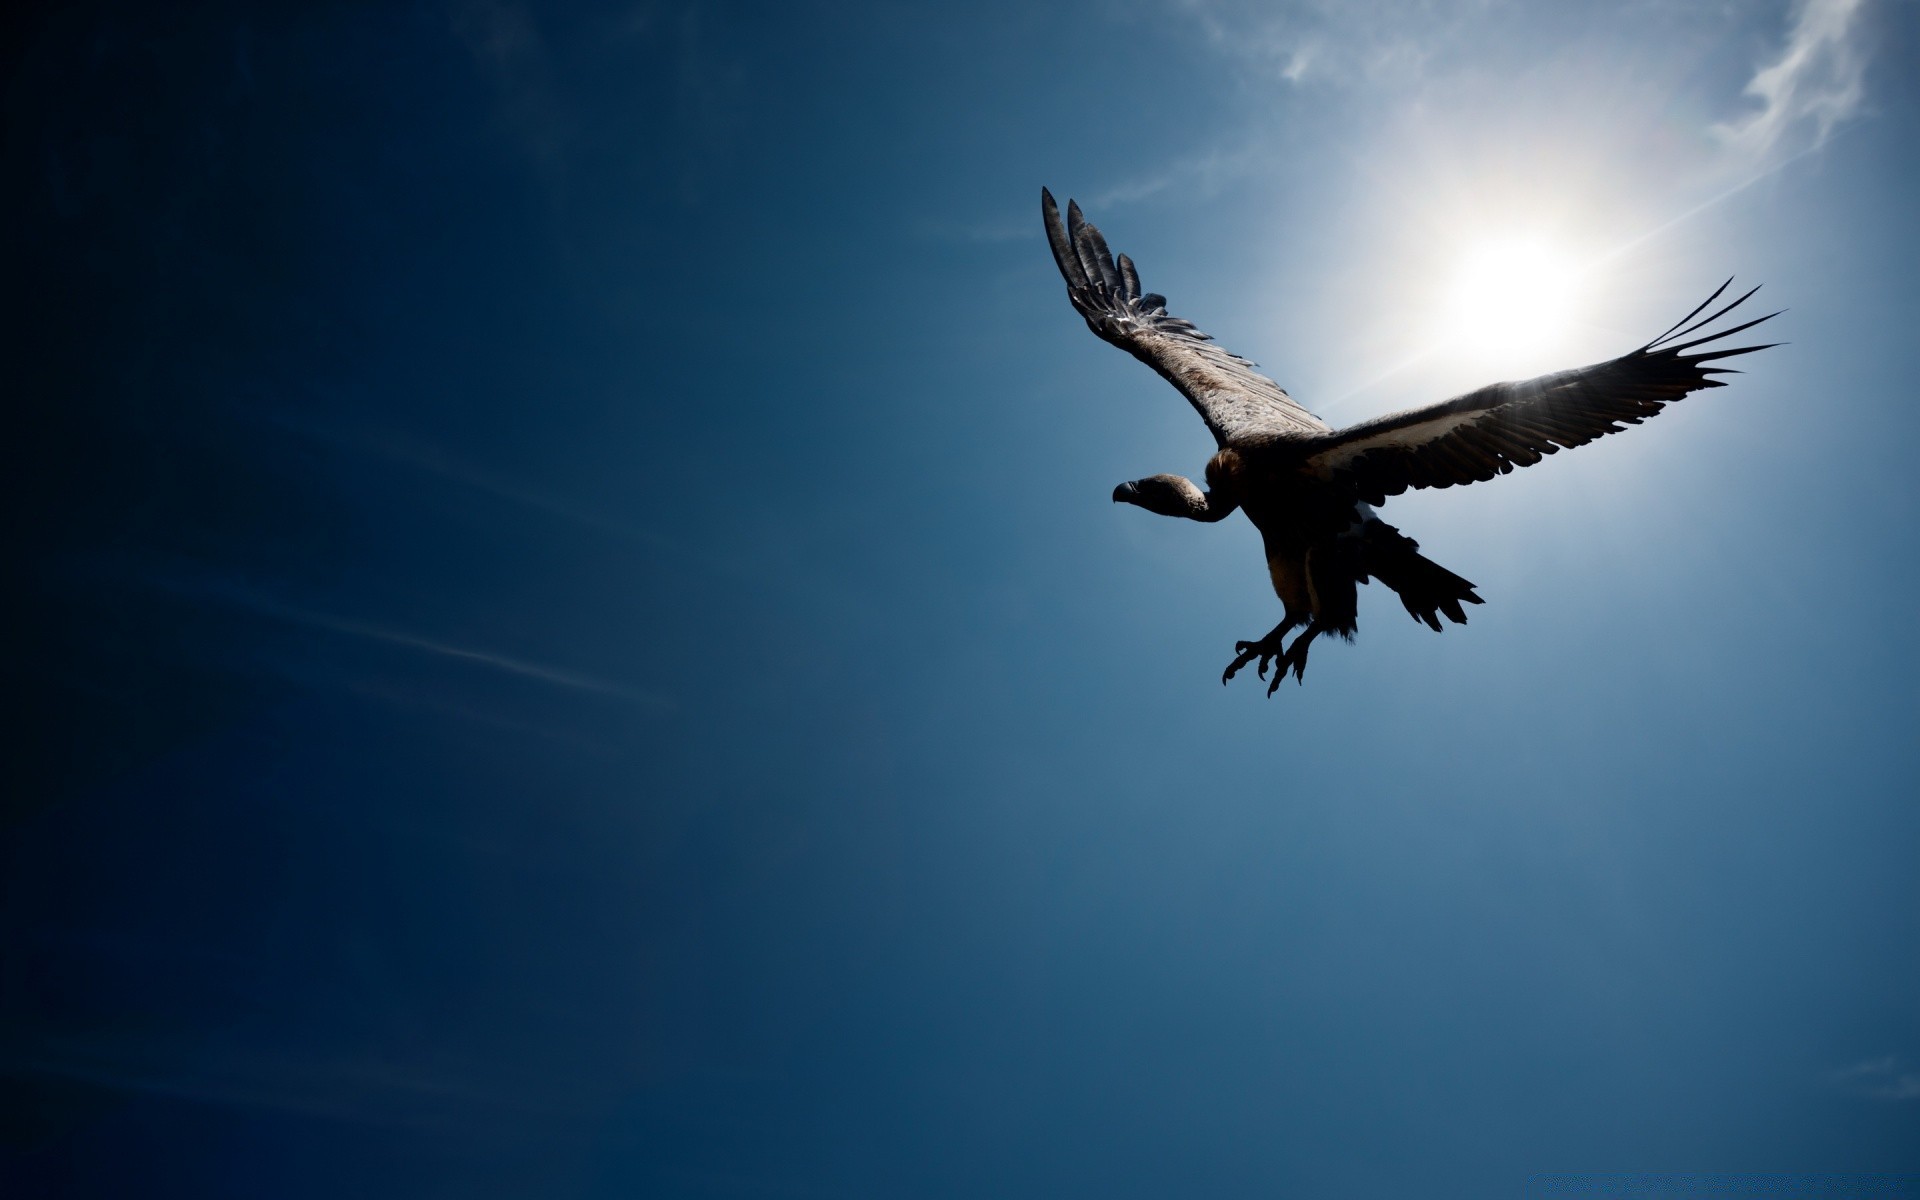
{"x":1506,"y":425}
{"x":1231,"y":397}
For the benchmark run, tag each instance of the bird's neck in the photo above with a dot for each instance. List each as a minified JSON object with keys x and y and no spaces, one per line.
{"x":1214,"y":504}
{"x":1211,"y":506}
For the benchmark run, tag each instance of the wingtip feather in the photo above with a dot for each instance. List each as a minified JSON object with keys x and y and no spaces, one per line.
{"x":1059,"y":240}
{"x":1703,"y":322}
{"x":1714,"y":337}
{"x":1698,"y":309}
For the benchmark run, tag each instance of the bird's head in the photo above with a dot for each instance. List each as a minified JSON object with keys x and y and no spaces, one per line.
{"x":1168,"y":495}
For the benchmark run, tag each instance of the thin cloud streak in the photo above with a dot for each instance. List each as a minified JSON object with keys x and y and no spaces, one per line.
{"x":404,"y":451}
{"x":292,"y":614}
{"x":363,"y":1092}
{"x":486,"y":658}
{"x":1202,"y":175}
{"x":396,"y":448}
{"x":1703,"y":206}
{"x":1879,"y":1079}
{"x":1406,"y":364}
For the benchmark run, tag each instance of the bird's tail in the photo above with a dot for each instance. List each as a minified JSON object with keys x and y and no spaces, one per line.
{"x":1424,"y":586}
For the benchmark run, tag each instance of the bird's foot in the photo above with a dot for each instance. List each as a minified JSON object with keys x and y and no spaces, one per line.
{"x":1295,"y":659}
{"x":1269,"y":650}
{"x":1266,"y":650}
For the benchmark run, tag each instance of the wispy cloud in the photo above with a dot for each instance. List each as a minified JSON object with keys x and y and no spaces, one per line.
{"x":1196,"y":175}
{"x":1818,"y":81}
{"x":1276,"y":48}
{"x":1880,"y":1079}
{"x":1397,"y":53}
{"x":1304,"y":45}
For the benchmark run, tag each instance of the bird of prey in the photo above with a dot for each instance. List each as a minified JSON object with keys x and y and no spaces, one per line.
{"x":1310,"y":489}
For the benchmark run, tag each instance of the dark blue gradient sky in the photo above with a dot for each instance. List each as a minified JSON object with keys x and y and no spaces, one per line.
{"x":571,"y":638}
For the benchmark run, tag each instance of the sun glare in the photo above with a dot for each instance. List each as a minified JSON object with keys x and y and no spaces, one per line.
{"x":1510,"y":295}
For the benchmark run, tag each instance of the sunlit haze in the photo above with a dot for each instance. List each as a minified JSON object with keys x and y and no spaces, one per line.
{"x":1510,"y":292}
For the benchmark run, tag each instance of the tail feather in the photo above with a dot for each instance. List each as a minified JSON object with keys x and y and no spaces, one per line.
{"x":1426,"y":588}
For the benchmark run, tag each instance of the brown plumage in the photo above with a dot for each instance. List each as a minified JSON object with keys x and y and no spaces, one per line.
{"x":1309,"y":488}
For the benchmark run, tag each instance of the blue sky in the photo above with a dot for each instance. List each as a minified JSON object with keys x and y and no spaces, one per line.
{"x":575,"y":642}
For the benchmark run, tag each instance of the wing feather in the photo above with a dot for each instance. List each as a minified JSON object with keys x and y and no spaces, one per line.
{"x":1506,"y":425}
{"x":1231,"y":397}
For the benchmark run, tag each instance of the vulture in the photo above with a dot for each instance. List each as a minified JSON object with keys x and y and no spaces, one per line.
{"x":1311,"y":489}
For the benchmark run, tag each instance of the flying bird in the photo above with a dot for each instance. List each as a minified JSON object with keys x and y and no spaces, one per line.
{"x":1311,"y":489}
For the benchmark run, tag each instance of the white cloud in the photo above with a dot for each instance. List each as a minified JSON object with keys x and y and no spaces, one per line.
{"x":1818,"y":80}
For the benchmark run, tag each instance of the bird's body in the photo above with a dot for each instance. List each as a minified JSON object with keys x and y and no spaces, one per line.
{"x":1310,"y":489}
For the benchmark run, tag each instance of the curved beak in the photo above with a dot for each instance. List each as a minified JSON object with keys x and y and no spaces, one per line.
{"x":1125,"y":493}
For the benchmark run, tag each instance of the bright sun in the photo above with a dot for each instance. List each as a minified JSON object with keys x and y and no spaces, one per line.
{"x":1510,"y":295}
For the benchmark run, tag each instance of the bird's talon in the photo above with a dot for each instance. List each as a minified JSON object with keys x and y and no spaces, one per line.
{"x":1263,"y":654}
